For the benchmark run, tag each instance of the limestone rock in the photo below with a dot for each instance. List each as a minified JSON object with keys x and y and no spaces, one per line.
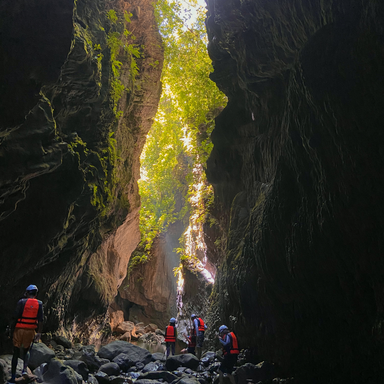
{"x":116,"y":317}
{"x":150,"y":328}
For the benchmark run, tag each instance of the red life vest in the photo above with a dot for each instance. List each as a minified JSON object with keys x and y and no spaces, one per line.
{"x":192,"y":341}
{"x":201,"y":325}
{"x":28,"y":319}
{"x":170,"y":334}
{"x":234,"y":348}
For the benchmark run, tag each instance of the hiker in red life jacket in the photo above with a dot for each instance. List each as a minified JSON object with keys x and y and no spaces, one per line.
{"x":199,"y":328}
{"x":170,"y":336}
{"x":230,"y":352}
{"x":191,"y":340}
{"x":28,"y":319}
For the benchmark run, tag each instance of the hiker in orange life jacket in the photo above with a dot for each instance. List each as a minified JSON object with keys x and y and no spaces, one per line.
{"x":170,"y":336}
{"x":27,"y":319}
{"x":200,"y":328}
{"x":230,"y":352}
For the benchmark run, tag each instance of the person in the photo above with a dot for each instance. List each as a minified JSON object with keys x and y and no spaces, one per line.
{"x":199,"y":328}
{"x":28,"y":318}
{"x":191,"y":340}
{"x":230,"y":353}
{"x":170,"y":336}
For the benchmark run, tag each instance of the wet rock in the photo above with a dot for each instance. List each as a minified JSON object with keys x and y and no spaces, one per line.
{"x":165,"y":375}
{"x":111,"y":350}
{"x":39,"y":354}
{"x":92,"y":379}
{"x":152,"y":366}
{"x":57,"y":373}
{"x":61,"y":340}
{"x":110,"y":369}
{"x":79,"y":366}
{"x":260,"y":372}
{"x":188,"y":360}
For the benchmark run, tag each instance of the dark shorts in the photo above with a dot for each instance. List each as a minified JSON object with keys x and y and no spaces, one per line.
{"x":191,"y":350}
{"x":228,"y":363}
{"x":200,"y":340}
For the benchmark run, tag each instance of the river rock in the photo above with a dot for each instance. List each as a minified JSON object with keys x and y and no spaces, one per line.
{"x":187,"y":380}
{"x":102,"y":377}
{"x":125,"y":362}
{"x":152,"y":366}
{"x":39,"y":354}
{"x":61,"y":340}
{"x":165,"y":375}
{"x":110,"y":369}
{"x":79,"y":366}
{"x":147,"y":381}
{"x":90,"y":358}
{"x":260,"y":372}
{"x":119,"y":380}
{"x":187,"y":360}
{"x":111,"y":350}
{"x":126,"y":337}
{"x":158,"y":356}
{"x":92,"y":379}
{"x":57,"y":373}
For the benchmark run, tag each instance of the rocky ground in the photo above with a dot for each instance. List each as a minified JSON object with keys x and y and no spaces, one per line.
{"x":59,"y":361}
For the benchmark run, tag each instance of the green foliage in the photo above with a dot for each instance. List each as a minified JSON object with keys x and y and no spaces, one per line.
{"x":173,"y":185}
{"x":119,"y":36}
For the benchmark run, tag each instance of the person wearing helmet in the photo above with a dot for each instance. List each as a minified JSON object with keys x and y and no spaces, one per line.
{"x":199,"y":328}
{"x":28,"y":319}
{"x":230,"y":353}
{"x":170,"y":336}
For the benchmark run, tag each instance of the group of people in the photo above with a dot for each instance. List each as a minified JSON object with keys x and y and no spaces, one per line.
{"x":195,"y":339}
{"x":28,"y":320}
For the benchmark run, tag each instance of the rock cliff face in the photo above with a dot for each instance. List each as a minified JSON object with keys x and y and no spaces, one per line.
{"x":68,"y":167}
{"x":298,"y":166}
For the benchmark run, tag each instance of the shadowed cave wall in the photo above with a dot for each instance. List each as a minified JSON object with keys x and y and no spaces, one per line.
{"x":298,"y":165}
{"x":68,"y":167}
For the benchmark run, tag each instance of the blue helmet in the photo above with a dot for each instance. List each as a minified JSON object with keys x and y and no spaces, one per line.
{"x":172,"y":320}
{"x":193,"y":315}
{"x":222,"y":328}
{"x":31,"y":287}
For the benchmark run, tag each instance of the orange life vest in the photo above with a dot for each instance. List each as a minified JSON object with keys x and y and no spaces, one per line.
{"x":170,"y":334}
{"x":28,"y":319}
{"x":234,"y":349}
{"x":201,"y":325}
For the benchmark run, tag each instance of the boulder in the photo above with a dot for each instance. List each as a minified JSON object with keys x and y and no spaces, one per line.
{"x":147,"y":381}
{"x":79,"y":366}
{"x":111,"y":350}
{"x":158,"y":356}
{"x":125,"y":362}
{"x":187,"y":360}
{"x":92,"y":379}
{"x":102,"y":377}
{"x":39,"y":354}
{"x":260,"y":372}
{"x":90,"y":358}
{"x":57,"y":373}
{"x":124,"y":327}
{"x":110,"y":369}
{"x":150,"y":328}
{"x":61,"y":340}
{"x":152,"y":366}
{"x":165,"y":375}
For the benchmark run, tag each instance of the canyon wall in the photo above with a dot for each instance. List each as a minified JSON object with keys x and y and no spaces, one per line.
{"x":298,"y":167}
{"x":69,"y":150}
